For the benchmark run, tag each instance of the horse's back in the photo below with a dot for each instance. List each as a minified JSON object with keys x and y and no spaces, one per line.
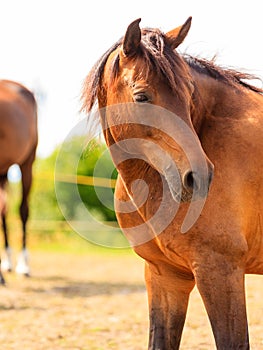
{"x":18,"y":124}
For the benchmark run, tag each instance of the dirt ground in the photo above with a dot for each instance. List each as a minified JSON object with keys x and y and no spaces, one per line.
{"x":97,"y":302}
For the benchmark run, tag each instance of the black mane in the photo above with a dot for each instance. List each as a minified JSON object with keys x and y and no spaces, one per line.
{"x":159,"y":57}
{"x":229,"y":76}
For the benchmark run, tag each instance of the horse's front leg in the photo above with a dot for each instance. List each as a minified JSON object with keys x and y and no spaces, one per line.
{"x":221,"y":285}
{"x":26,"y":171}
{"x":6,"y":262}
{"x":168,"y":295}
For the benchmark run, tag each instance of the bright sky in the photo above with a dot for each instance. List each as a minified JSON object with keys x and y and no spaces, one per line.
{"x":50,"y":45}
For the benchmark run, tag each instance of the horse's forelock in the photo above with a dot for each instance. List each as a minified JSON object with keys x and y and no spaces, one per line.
{"x":159,"y":59}
{"x":165,"y":62}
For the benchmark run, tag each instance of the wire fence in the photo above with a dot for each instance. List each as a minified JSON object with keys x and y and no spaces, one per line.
{"x":47,"y":225}
{"x":79,"y":179}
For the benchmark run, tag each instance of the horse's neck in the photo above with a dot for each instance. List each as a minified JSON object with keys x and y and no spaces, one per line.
{"x":213,"y":98}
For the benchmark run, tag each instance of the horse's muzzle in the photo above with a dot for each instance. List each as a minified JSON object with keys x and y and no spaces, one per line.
{"x":191,"y":185}
{"x":196,"y":185}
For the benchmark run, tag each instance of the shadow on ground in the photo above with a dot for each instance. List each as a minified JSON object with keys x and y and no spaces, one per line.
{"x":70,"y":288}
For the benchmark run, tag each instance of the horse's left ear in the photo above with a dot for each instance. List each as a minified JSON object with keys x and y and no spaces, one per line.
{"x":132,"y":38}
{"x":176,"y":36}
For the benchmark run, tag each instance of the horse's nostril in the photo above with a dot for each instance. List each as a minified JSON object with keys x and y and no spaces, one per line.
{"x":188,"y":180}
{"x":210,"y":177}
{"x":192,"y":181}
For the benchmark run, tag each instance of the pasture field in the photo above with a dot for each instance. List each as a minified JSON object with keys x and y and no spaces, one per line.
{"x":90,"y":298}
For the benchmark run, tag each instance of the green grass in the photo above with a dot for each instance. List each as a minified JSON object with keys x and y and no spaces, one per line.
{"x":59,"y":237}
{"x":70,"y":242}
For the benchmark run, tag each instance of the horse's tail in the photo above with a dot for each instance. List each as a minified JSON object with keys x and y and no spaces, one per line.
{"x":22,"y":90}
{"x":27,"y":94}
{"x":29,"y":97}
{"x":3,"y":180}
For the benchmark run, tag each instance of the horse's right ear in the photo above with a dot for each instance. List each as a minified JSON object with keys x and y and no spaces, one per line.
{"x":132,"y":38}
{"x":176,"y":36}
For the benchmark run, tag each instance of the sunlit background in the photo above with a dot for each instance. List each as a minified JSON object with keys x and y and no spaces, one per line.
{"x":50,"y":46}
{"x":81,"y":295}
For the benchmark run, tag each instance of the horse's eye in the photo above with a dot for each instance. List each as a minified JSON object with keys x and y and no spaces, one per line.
{"x":141,"y":98}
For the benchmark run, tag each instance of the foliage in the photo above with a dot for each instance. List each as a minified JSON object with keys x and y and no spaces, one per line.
{"x":43,"y":203}
{"x":95,"y":161}
{"x":66,"y":161}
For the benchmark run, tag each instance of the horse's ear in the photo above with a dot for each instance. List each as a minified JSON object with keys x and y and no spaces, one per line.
{"x":176,"y":36}
{"x":132,"y":38}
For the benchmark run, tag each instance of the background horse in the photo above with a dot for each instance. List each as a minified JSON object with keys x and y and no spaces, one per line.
{"x":209,"y":123}
{"x":18,"y":142}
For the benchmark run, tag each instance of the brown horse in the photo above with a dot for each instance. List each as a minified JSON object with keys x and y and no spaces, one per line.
{"x":18,"y":142}
{"x":172,"y":122}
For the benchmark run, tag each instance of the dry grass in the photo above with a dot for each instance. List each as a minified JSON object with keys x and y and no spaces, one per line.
{"x":97,"y":302}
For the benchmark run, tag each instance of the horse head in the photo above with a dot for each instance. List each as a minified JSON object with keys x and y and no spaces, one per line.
{"x":145,"y":95}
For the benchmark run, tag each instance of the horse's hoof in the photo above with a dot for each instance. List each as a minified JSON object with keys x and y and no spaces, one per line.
{"x":23,"y":270}
{"x":6,"y":261}
{"x":2,"y":280}
{"x":22,"y":267}
{"x":6,"y":267}
{"x":6,"y":270}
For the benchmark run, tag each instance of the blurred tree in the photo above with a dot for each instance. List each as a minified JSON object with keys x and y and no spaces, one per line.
{"x":95,"y":161}
{"x":73,"y":159}
{"x":43,"y":203}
